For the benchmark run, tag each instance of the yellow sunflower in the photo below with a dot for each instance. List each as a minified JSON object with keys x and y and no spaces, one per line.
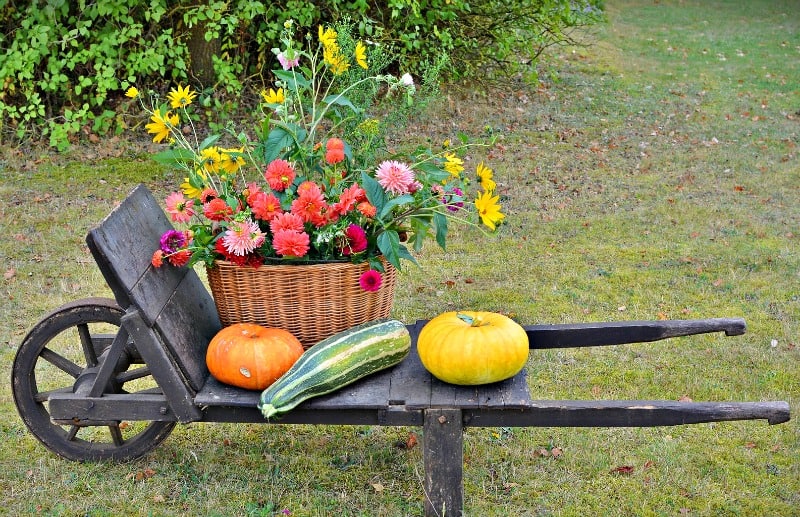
{"x":453,"y":164}
{"x":181,"y":97}
{"x":161,"y":125}
{"x":485,"y":176}
{"x":488,"y":207}
{"x":273,"y":97}
{"x":361,"y":55}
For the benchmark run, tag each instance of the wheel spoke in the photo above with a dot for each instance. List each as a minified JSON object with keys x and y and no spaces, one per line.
{"x":87,"y":344}
{"x":116,"y":435}
{"x":131,"y":375}
{"x":44,"y":396}
{"x":73,"y":432}
{"x":61,"y":362}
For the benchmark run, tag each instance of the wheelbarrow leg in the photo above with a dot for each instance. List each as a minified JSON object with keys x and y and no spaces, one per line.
{"x":443,"y":456}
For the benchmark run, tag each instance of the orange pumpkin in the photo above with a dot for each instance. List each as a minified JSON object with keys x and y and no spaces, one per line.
{"x":251,"y":356}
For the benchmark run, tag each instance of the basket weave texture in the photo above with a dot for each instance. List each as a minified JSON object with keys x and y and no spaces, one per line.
{"x":312,"y":301}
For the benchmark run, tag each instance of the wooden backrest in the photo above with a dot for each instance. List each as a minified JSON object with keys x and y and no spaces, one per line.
{"x":171,"y":300}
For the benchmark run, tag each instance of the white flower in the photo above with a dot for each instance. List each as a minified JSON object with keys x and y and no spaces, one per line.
{"x":407,"y":80}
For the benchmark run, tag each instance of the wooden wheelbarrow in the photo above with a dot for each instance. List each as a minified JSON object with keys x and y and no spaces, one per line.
{"x":102,"y":379}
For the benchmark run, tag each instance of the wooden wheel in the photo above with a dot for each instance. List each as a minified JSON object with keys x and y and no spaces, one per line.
{"x":52,"y":358}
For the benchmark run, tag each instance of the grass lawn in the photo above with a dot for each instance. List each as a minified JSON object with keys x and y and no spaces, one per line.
{"x":655,"y":176}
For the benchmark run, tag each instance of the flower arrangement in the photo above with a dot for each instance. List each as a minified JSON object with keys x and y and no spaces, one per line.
{"x":317,"y":184}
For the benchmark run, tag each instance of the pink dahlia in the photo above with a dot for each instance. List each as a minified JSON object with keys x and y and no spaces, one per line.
{"x":243,"y":237}
{"x":395,"y":177}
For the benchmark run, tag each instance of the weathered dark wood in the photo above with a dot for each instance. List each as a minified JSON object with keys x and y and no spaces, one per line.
{"x":122,"y":245}
{"x":187,"y":323}
{"x":71,"y":408}
{"x":443,"y":456}
{"x":408,"y":387}
{"x":618,"y":333}
{"x":626,"y":413}
{"x":172,"y":300}
{"x":166,"y":373}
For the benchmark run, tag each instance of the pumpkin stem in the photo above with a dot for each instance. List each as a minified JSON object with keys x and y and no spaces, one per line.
{"x":472,"y":321}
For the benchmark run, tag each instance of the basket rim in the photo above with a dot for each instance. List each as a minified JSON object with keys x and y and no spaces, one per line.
{"x":313,"y":264}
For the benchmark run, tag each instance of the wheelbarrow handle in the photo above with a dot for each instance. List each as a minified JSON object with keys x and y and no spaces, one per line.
{"x":618,"y":333}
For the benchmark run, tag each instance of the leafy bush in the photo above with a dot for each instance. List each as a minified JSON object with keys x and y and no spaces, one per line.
{"x":67,"y":63}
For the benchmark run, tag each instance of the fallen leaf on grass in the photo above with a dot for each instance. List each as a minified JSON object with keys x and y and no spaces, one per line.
{"x":410,"y":442}
{"x":541,"y":453}
{"x":625,"y":470}
{"x":141,"y":475}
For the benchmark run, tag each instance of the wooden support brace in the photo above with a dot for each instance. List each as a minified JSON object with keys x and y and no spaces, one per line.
{"x":443,"y":457}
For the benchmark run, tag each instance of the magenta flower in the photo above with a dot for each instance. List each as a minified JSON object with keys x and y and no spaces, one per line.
{"x":454,"y":199}
{"x":355,"y":240}
{"x":172,"y":241}
{"x":370,"y":280}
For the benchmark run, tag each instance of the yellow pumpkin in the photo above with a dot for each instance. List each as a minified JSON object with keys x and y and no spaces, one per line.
{"x":471,"y":348}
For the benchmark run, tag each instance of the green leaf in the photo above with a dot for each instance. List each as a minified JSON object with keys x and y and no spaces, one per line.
{"x":389,"y":244}
{"x":340,"y":101}
{"x":433,"y":172}
{"x":420,"y":227}
{"x":293,"y":80}
{"x":173,"y":157}
{"x":387,"y":208}
{"x":440,"y":221}
{"x":277,"y":140}
{"x":375,"y":193}
{"x":209,"y":141}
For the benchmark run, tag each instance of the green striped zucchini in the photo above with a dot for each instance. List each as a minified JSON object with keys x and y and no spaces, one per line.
{"x":336,"y":362}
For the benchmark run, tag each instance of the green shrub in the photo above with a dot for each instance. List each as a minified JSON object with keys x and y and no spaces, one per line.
{"x":67,"y":63}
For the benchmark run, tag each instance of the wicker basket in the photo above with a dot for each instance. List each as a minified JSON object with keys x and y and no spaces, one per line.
{"x":312,"y":301}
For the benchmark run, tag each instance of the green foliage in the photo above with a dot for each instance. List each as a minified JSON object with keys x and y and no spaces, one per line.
{"x":68,"y":62}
